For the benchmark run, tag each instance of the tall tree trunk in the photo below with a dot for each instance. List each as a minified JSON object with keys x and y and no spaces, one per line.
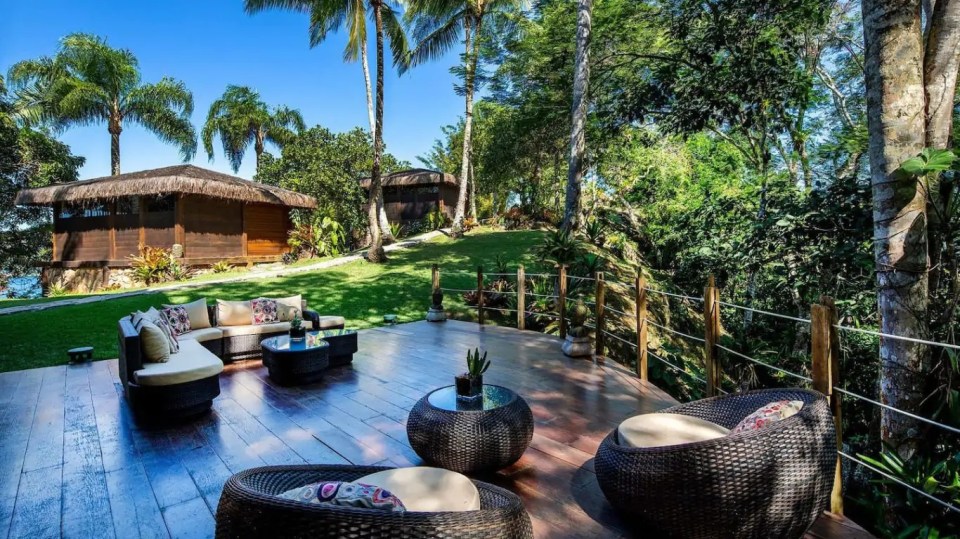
{"x":375,"y":252}
{"x":578,"y":138}
{"x":381,"y":210}
{"x":473,"y":193}
{"x":115,"y":129}
{"x":258,"y":147}
{"x":470,"y":65}
{"x":895,"y":120}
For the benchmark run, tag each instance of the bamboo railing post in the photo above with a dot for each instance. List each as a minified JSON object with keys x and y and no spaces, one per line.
{"x":601,"y":296}
{"x":826,"y":375}
{"x":480,"y":295}
{"x":641,"y":314}
{"x":521,"y":298}
{"x":562,"y":301}
{"x":711,"y":323}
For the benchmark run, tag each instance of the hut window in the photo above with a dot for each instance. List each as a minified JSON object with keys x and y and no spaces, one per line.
{"x":96,"y":210}
{"x":160,"y":204}
{"x":425,"y":190}
{"x":69,"y":211}
{"x":128,"y":206}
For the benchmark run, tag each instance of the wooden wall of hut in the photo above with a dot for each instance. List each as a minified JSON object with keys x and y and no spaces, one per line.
{"x":212,"y":228}
{"x":265,"y":228}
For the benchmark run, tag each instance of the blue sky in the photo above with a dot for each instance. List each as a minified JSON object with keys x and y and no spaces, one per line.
{"x":209,"y":44}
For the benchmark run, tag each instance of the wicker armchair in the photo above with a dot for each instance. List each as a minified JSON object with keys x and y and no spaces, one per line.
{"x":249,"y":508}
{"x":771,"y":482}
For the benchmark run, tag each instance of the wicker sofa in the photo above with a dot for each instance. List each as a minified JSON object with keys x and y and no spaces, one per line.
{"x":187,"y":384}
{"x":771,"y":482}
{"x":249,"y":507}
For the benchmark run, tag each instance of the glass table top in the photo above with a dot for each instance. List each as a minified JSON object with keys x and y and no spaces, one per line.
{"x":324,"y":333}
{"x":312,"y":341}
{"x":494,"y":397}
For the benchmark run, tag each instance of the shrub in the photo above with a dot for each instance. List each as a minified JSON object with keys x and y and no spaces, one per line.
{"x":220,"y":267}
{"x":56,"y":291}
{"x":397,"y":230}
{"x":151,"y":265}
{"x":316,"y":237}
{"x":559,"y":247}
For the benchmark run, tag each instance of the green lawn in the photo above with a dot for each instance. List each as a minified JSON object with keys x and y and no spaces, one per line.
{"x":361,"y":292}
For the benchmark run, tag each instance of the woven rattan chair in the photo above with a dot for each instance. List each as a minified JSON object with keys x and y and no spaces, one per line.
{"x":249,"y":508}
{"x":769,"y":483}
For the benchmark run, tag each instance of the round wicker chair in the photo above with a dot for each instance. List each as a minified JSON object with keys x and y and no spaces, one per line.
{"x":249,"y":508}
{"x":772,"y":482}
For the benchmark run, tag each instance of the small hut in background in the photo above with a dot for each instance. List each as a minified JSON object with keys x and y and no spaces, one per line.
{"x":410,"y":195}
{"x":209,"y":216}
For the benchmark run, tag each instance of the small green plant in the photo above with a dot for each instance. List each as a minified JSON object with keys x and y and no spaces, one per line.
{"x":477,"y":365}
{"x":179,"y":271}
{"x":436,"y":219}
{"x":559,"y":247}
{"x":595,"y":232}
{"x":397,"y":230}
{"x":297,"y":322}
{"x":56,"y":291}
{"x":151,"y":264}
{"x":590,"y":264}
{"x":316,"y":237}
{"x":220,"y":267}
{"x":501,"y":265}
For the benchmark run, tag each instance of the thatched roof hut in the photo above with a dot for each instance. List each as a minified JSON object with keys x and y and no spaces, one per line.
{"x":178,"y":179}
{"x":414,"y":177}
{"x":410,"y":195}
{"x":204,"y":216}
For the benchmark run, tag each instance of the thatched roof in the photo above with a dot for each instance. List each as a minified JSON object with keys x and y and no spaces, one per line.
{"x":414,"y":177}
{"x":161,"y":181}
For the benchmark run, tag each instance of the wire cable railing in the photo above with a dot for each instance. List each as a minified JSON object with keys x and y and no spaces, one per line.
{"x":624,"y":341}
{"x":874,"y":469}
{"x":671,"y":294}
{"x":768,"y":313}
{"x":897,"y":337}
{"x":671,"y":330}
{"x":767,"y":365}
{"x":676,"y":368}
{"x":899,"y":411}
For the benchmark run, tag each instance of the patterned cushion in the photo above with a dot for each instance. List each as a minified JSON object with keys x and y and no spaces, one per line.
{"x":178,"y":318}
{"x":264,"y":311}
{"x":197,"y":311}
{"x":767,"y":415}
{"x":288,"y":307}
{"x":345,"y":494}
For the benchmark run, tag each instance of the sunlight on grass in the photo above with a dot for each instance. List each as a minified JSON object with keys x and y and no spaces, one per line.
{"x":359,"y":291}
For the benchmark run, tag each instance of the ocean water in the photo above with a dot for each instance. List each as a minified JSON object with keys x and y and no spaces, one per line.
{"x":23,"y":287}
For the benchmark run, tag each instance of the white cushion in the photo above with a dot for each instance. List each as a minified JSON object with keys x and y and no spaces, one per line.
{"x":193,"y":362}
{"x":196,"y":312}
{"x":287,"y":307}
{"x":657,"y":430}
{"x":234,"y":313}
{"x":427,"y":489}
{"x":154,"y":342}
{"x":202,"y":335}
{"x":259,"y":329}
{"x":328,"y":322}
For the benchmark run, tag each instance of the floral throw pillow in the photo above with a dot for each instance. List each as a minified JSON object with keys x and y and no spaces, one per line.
{"x":345,"y":494}
{"x":264,"y":311}
{"x":178,"y":319}
{"x":767,"y":415}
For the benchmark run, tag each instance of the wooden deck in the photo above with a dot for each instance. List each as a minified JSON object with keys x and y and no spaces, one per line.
{"x":73,"y":463}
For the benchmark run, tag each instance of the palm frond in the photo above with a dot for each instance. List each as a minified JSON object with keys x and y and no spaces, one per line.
{"x":256,"y":6}
{"x":397,"y":36}
{"x":443,"y":34}
{"x":168,"y":125}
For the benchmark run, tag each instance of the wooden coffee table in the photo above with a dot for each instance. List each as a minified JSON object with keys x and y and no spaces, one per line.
{"x":298,"y":362}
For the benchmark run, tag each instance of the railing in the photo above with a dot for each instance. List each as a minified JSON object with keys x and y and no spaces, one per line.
{"x":824,"y":334}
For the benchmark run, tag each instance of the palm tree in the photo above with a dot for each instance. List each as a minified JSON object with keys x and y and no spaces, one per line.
{"x":89,"y":82}
{"x":329,"y":15}
{"x":239,"y":118}
{"x":437,"y":27}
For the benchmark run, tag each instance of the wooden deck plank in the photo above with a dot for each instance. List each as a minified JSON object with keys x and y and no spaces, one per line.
{"x":71,"y":426}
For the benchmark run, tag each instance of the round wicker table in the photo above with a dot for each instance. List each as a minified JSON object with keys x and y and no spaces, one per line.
{"x":484,"y":434}
{"x":295,"y":362}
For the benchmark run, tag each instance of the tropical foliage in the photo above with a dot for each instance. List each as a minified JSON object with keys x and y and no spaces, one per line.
{"x":90,"y":82}
{"x":240,"y":118}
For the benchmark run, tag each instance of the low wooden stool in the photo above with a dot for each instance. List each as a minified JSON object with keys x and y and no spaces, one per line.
{"x":81,"y":354}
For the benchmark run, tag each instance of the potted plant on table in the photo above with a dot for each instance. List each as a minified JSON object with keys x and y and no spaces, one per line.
{"x":470,"y":383}
{"x":577,"y":342}
{"x":297,"y":331}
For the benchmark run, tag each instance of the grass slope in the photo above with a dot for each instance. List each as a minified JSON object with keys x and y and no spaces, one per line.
{"x":361,"y":292}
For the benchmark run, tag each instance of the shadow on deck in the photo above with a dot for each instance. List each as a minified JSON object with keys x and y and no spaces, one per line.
{"x":73,"y":463}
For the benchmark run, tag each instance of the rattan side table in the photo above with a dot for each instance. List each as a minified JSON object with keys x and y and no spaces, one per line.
{"x":484,"y":435}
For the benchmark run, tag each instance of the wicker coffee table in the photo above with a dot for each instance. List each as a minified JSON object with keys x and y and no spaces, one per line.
{"x":480,"y":436}
{"x":343,"y":344}
{"x":299,"y":362}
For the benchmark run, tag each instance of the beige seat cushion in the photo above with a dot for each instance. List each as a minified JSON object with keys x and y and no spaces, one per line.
{"x":234,"y":313}
{"x":657,"y":430}
{"x":193,"y":362}
{"x":328,"y":322}
{"x":427,"y":489}
{"x":288,"y":307}
{"x":154,"y":341}
{"x":260,"y":329}
{"x":203,"y":335}
{"x":196,"y":312}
